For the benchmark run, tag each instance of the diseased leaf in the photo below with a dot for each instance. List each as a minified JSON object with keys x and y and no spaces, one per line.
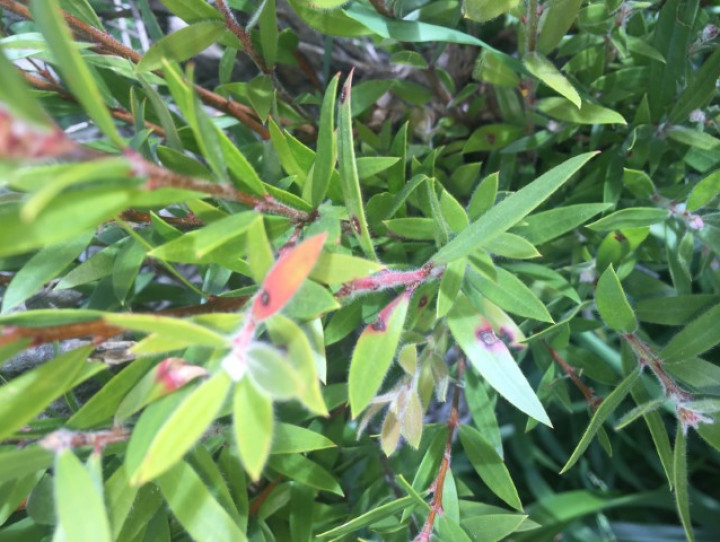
{"x":491,"y":358}
{"x":374,"y":353}
{"x":286,"y":277}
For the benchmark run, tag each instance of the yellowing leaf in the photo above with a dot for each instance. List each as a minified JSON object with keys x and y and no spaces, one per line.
{"x":538,"y":65}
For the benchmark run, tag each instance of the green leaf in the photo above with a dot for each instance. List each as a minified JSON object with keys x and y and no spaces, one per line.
{"x":16,"y":94}
{"x":26,"y":396}
{"x":561,"y":109}
{"x":509,"y":245}
{"x":558,"y":17}
{"x":450,"y":286}
{"x":634,"y":217}
{"x":314,"y":191}
{"x":192,"y":10}
{"x":484,"y":10}
{"x":704,"y":191}
{"x":20,"y":462}
{"x":79,"y":501}
{"x":510,"y":211}
{"x":182,"y":429}
{"x":492,"y":137}
{"x":253,"y":424}
{"x":196,"y":245}
{"x":681,"y":482}
{"x":104,"y":404}
{"x":612,"y":303}
{"x":336,"y":268}
{"x":374,"y":353}
{"x":606,"y":408}
{"x":195,"y":508}
{"x":289,"y":439}
{"x":693,"y":138}
{"x":300,"y":468}
{"x":511,"y":294}
{"x":699,"y":92}
{"x":489,"y":465}
{"x":269,"y":32}
{"x":538,"y":65}
{"x":547,"y":225}
{"x":698,"y":336}
{"x":676,"y":310}
{"x":48,"y":263}
{"x":176,"y":329}
{"x":272,"y":372}
{"x":295,"y":342}
{"x":491,"y":358}
{"x":369,"y":518}
{"x":76,"y":74}
{"x":349,"y":172}
{"x":182,"y":45}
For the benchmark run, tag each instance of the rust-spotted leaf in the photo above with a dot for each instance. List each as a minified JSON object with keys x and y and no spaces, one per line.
{"x":286,"y":277}
{"x":374,"y":352}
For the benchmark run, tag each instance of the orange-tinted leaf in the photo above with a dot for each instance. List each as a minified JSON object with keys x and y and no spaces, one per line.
{"x":286,"y":277}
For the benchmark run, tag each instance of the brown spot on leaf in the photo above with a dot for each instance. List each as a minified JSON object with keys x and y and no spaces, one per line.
{"x":422,"y":301}
{"x":486,"y":336}
{"x":264,"y":298}
{"x":379,"y":325}
{"x":355,"y":223}
{"x":620,"y":238}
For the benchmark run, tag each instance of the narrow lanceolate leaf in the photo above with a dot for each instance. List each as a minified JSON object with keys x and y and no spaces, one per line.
{"x":704,"y":191}
{"x":349,"y":172}
{"x":374,"y":352}
{"x":195,"y":508}
{"x":79,"y":501}
{"x":607,"y":407}
{"x":286,"y":277}
{"x":698,"y":336}
{"x":510,"y":211}
{"x":253,"y":423}
{"x":26,"y":396}
{"x":41,"y":268}
{"x":485,"y":10}
{"x":75,"y":72}
{"x":612,"y":304}
{"x":538,"y":65}
{"x":699,"y":92}
{"x":491,"y":358}
{"x":183,"y":428}
{"x":182,"y":45}
{"x":489,"y":465}
{"x":682,"y":497}
{"x":334,"y":268}
{"x":177,"y":329}
{"x":315,"y":190}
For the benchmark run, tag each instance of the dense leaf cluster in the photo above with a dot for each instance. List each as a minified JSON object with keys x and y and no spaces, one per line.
{"x":340,"y":270}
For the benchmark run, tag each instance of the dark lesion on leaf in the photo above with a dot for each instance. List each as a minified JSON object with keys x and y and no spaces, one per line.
{"x":379,"y":325}
{"x":355,"y":223}
{"x":487,"y":336}
{"x":264,"y":298}
{"x":422,"y":301}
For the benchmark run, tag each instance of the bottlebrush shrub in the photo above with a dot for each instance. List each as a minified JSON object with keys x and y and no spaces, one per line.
{"x":466,"y":291}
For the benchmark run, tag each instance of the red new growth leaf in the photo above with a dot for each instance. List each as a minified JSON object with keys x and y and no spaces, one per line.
{"x":286,"y":277}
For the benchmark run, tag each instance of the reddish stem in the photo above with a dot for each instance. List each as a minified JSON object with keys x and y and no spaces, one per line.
{"x":592,"y":400}
{"x":453,"y":423}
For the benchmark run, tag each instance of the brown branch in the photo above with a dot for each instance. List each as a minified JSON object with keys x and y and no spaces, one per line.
{"x":453,"y":423}
{"x":592,"y":400}
{"x":241,"y":112}
{"x":117,"y":112}
{"x":260,"y":499}
{"x":244,"y":37}
{"x":159,"y":177}
{"x":184,"y":222}
{"x":382,"y":9}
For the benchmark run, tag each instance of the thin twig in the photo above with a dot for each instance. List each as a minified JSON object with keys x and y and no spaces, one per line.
{"x":453,"y":423}
{"x":244,"y":37}
{"x":592,"y":400}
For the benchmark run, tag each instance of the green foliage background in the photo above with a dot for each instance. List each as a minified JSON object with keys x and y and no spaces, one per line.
{"x":466,"y":290}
